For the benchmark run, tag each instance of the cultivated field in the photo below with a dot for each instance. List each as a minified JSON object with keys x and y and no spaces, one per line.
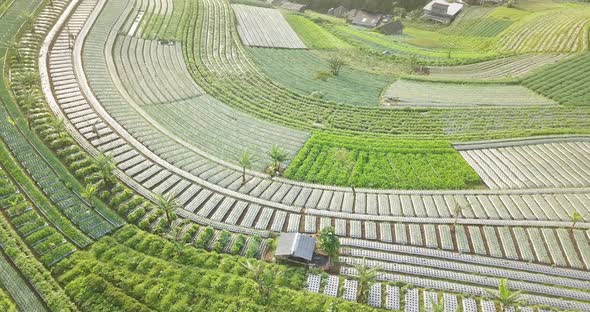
{"x":548,"y":165}
{"x":502,"y":68}
{"x":417,"y":93}
{"x":153,"y":73}
{"x":554,"y":31}
{"x":263,"y":27}
{"x":373,"y":163}
{"x":313,"y":35}
{"x":135,"y":111}
{"x":566,"y":82}
{"x":299,"y":70}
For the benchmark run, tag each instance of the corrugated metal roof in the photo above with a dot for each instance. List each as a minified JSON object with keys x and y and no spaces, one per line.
{"x":295,"y":245}
{"x":367,"y":19}
{"x":452,"y":10}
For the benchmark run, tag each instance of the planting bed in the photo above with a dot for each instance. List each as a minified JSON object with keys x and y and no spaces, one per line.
{"x":299,"y":70}
{"x":374,"y":163}
{"x":418,"y":93}
{"x":567,"y":82}
{"x":533,"y":166}
{"x":263,"y":27}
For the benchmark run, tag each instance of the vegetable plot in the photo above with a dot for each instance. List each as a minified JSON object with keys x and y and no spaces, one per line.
{"x":555,"y":31}
{"x":23,"y":296}
{"x":550,"y":165}
{"x":380,"y":163}
{"x":507,"y":67}
{"x":262,"y":27}
{"x":567,"y":82}
{"x":416,"y":93}
{"x":300,"y":70}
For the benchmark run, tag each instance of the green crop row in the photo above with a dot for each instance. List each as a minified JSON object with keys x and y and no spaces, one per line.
{"x":387,"y":164}
{"x":299,"y":69}
{"x":47,"y":288}
{"x":6,"y":303}
{"x":141,"y":272}
{"x":567,"y":82}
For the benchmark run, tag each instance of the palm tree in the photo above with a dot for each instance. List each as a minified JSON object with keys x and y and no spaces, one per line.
{"x":175,"y":236}
{"x":29,"y":21}
{"x":169,"y":205}
{"x":58,"y":125}
{"x":29,"y":79}
{"x":246,"y":161}
{"x":27,"y":101}
{"x":278,"y":156}
{"x":27,"y":104}
{"x":506,"y":296}
{"x":366,"y":276}
{"x":106,"y":166}
{"x":88,"y":193}
{"x":14,"y":47}
{"x":576,"y":217}
{"x":264,"y":277}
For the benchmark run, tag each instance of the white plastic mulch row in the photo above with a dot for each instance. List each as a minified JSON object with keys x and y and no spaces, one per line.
{"x":263,"y":27}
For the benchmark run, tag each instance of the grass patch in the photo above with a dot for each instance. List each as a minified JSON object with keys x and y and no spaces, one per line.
{"x":313,"y":35}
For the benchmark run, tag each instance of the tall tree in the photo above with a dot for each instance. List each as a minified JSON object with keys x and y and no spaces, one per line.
{"x":175,"y":237}
{"x":335,"y":64}
{"x":169,"y":205}
{"x":278,"y":156}
{"x":366,"y":276}
{"x":29,"y":21}
{"x":330,"y":243}
{"x":14,"y":48}
{"x":246,"y":160}
{"x":27,"y":103}
{"x":28,"y":79}
{"x":265,"y":277}
{"x":458,"y":210}
{"x":106,"y":168}
{"x":58,"y":125}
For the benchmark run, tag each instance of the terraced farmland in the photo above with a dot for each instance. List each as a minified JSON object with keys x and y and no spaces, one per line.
{"x":509,"y":67}
{"x":558,"y":164}
{"x":417,"y":93}
{"x":555,"y":31}
{"x":166,"y":94}
{"x":263,"y":27}
{"x":566,"y":82}
{"x":298,"y":70}
{"x":160,"y":91}
{"x":152,"y":72}
{"x":259,"y":96}
{"x":313,"y":35}
{"x":408,"y":267}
